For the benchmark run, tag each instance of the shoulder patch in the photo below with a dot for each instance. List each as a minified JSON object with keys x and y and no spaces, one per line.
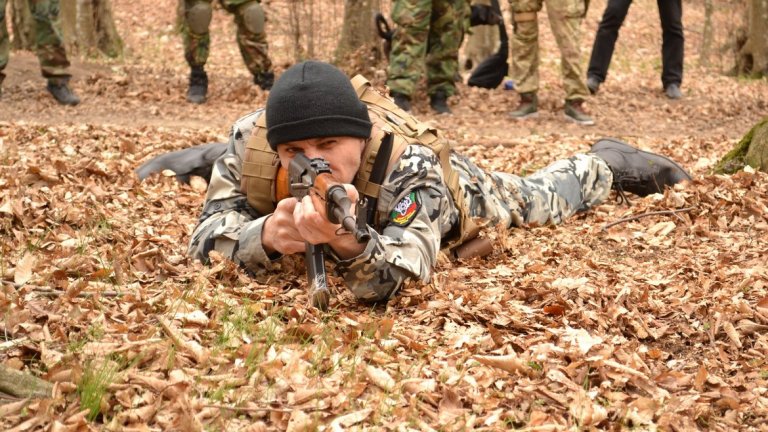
{"x":405,"y":210}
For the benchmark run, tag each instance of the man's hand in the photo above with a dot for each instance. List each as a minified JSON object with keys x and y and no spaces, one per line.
{"x":295,"y":222}
{"x":279,"y":232}
{"x":483,"y":15}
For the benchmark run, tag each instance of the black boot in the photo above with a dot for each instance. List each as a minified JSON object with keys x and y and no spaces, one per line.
{"x":265,"y":80}
{"x":61,"y":92}
{"x":198,"y":85}
{"x":439,"y":102}
{"x":402,"y":101}
{"x":637,"y":171}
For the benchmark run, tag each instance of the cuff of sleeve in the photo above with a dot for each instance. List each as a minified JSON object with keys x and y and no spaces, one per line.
{"x":363,"y":255}
{"x":251,"y":252}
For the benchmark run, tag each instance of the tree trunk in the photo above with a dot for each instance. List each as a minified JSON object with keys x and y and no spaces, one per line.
{"x":752,"y":58}
{"x":482,"y":41}
{"x":707,"y":35}
{"x":296,"y":20}
{"x":752,"y":150}
{"x":87,"y":27}
{"x":359,"y":40}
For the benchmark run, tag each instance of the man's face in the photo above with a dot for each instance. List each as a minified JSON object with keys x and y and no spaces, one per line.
{"x":343,"y":154}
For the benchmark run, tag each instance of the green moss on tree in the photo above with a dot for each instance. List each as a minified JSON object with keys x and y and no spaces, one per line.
{"x":752,"y":150}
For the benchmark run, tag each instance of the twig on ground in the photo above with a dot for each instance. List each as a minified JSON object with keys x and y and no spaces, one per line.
{"x":642,"y":215}
{"x":257,"y":409}
{"x":12,"y":343}
{"x":52,"y":293}
{"x":11,"y":283}
{"x":199,"y":353}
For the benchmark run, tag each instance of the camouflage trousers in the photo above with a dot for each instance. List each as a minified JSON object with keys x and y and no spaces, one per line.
{"x":428,"y":35}
{"x":253,"y":46}
{"x":548,"y":196}
{"x":565,"y":17}
{"x":48,"y":39}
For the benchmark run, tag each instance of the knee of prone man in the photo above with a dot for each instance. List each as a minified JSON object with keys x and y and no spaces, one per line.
{"x":253,"y":17}
{"x":199,"y":17}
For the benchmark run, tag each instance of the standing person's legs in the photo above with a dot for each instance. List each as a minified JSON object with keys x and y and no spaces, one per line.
{"x":194,"y":33}
{"x":671,"y":15}
{"x":565,"y":18}
{"x":409,"y":45}
{"x":605,"y":38}
{"x":5,"y":44}
{"x":252,"y":39}
{"x":525,"y":45}
{"x":50,"y":47}
{"x":50,"y":50}
{"x":446,"y":29}
{"x":197,"y":46}
{"x":550,"y":195}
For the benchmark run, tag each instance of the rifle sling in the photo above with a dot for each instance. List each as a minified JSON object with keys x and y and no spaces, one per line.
{"x":378,"y":173}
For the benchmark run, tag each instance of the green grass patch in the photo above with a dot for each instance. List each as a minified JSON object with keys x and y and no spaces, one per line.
{"x":535,"y":366}
{"x":94,"y":383}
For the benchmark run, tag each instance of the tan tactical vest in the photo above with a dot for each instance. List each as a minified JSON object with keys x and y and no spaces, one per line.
{"x":265,"y":183}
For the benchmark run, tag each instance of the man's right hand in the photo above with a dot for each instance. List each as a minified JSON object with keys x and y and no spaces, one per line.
{"x":279,"y":233}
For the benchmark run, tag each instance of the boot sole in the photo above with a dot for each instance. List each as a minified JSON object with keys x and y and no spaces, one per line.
{"x":196,"y":101}
{"x":532,"y":115}
{"x":580,"y":122}
{"x":625,"y":146}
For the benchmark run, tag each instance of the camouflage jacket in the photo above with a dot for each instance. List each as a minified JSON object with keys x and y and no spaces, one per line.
{"x":414,"y":203}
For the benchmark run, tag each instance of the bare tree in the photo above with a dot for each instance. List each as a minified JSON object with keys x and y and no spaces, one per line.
{"x":88,"y":27}
{"x":358,"y":34}
{"x":752,"y":150}
{"x":707,"y":34}
{"x":752,"y":55}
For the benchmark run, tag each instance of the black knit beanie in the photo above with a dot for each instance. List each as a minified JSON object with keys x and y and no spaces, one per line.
{"x":314,"y":100}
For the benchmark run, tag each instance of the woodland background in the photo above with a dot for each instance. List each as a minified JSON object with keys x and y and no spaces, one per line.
{"x":655,"y":322}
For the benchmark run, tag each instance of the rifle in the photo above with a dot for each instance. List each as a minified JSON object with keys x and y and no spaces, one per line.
{"x":304,"y":176}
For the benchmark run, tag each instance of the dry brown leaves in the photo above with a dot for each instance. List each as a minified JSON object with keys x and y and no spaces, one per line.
{"x":654,"y":323}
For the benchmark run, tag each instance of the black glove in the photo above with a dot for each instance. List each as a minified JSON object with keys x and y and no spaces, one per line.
{"x":383,"y":28}
{"x":483,"y":15}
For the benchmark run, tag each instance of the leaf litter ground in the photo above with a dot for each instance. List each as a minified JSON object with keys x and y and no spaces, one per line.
{"x":656,"y":322}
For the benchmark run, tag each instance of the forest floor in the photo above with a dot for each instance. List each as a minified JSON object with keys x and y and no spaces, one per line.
{"x":656,"y":322}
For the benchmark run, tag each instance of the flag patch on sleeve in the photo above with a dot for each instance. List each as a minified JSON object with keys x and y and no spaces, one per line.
{"x":405,"y":210}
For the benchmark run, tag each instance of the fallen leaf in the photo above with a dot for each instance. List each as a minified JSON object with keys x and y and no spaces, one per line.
{"x":301,"y":422}
{"x":24,"y":268}
{"x":701,"y":378}
{"x":380,"y":378}
{"x":762,"y":305}
{"x":345,"y":421}
{"x":509,"y":363}
{"x":418,"y":385}
{"x":12,"y":408}
{"x":732,"y":333}
{"x":554,"y":309}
